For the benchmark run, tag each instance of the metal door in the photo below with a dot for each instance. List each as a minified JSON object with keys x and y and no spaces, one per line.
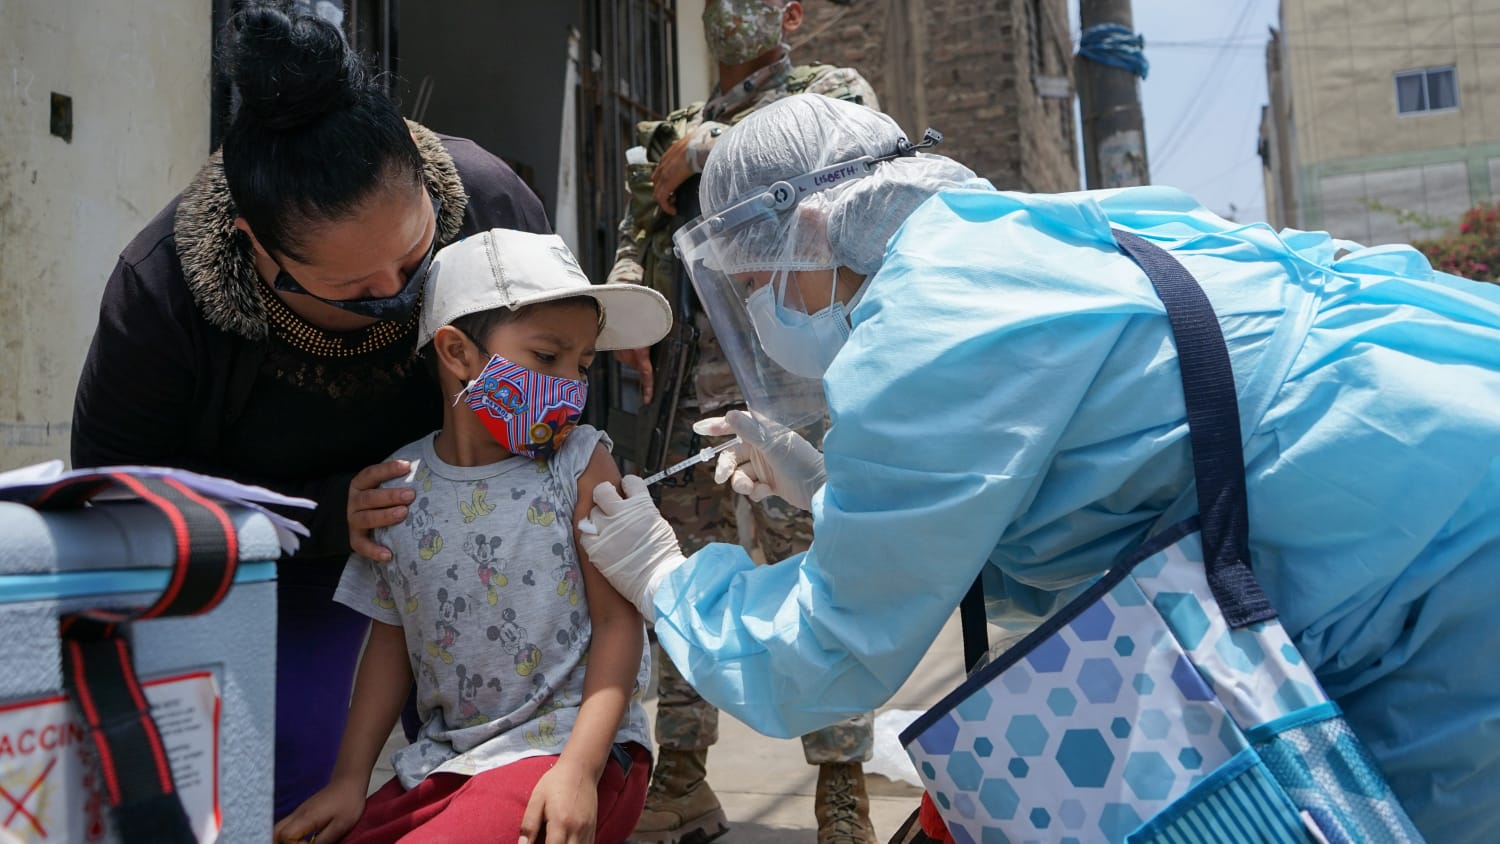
{"x":627,"y":74}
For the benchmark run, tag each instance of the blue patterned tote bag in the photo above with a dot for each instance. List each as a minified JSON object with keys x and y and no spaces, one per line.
{"x":1165,"y":704}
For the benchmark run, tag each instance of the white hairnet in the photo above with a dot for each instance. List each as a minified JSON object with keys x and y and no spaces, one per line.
{"x":848,"y":225}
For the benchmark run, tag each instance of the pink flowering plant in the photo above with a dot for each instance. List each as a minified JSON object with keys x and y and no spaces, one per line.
{"x":1474,"y":250}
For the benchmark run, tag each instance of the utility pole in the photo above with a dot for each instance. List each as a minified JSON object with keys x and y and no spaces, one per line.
{"x":1114,"y":130}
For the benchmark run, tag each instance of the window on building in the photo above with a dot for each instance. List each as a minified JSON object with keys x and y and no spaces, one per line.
{"x":1430,"y":89}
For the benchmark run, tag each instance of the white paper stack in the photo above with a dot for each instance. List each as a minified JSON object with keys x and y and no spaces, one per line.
{"x":15,"y":484}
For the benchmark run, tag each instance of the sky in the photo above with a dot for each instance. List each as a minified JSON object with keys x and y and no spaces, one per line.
{"x":1202,"y":97}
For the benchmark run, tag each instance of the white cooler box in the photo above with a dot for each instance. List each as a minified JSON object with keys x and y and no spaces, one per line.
{"x":209,"y":679}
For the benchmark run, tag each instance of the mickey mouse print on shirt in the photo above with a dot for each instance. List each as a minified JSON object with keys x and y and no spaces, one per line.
{"x":485,"y":583}
{"x":485,"y":552}
{"x":512,"y":637}
{"x":448,"y":624}
{"x":470,"y":684}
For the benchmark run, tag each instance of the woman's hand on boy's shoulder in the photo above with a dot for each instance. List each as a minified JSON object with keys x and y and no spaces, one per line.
{"x":372,"y":505}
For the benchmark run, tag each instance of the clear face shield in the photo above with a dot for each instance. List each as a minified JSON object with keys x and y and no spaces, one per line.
{"x":765,"y":274}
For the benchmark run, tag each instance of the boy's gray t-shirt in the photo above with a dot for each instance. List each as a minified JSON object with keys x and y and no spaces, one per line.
{"x":485,"y":583}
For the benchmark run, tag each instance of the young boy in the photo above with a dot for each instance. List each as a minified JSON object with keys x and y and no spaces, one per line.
{"x":529,"y":666}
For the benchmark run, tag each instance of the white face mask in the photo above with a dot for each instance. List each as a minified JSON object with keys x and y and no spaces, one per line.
{"x":803,"y":344}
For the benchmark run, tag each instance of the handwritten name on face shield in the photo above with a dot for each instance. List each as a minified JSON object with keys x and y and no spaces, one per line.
{"x":836,"y":176}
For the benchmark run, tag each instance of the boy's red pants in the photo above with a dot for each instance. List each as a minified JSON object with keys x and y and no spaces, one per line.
{"x":488,"y":807}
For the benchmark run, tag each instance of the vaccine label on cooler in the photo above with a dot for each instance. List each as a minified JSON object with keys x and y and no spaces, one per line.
{"x":50,"y":788}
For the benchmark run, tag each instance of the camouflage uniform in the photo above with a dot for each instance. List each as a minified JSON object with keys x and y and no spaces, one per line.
{"x":643,"y":252}
{"x":700,"y":510}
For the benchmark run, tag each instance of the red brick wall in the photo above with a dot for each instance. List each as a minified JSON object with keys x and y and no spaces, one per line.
{"x":964,"y":67}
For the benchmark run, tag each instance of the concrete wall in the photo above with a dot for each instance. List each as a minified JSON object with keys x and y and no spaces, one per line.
{"x":1277,"y":140}
{"x":138,"y":75}
{"x":696,"y":70}
{"x":496,"y":73}
{"x":965,"y":68}
{"x":1342,"y":55}
{"x":1398,"y":198}
{"x":1363,"y":171}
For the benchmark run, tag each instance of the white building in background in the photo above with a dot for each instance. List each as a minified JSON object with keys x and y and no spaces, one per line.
{"x":1384,"y":116}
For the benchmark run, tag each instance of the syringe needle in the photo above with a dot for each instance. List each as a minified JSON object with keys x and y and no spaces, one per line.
{"x":703,"y":456}
{"x":707,"y":454}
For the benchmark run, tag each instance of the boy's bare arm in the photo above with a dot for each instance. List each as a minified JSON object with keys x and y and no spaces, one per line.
{"x":615,"y":649}
{"x":565,"y":799}
{"x":380,"y":691}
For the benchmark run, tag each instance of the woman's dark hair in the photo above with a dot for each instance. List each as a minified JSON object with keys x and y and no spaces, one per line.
{"x":315,"y":133}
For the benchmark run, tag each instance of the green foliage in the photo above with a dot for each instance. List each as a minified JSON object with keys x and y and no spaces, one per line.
{"x":1405,"y":217}
{"x":1474,"y":250}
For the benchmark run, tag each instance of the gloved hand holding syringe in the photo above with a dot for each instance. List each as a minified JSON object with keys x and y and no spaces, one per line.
{"x":708,"y":453}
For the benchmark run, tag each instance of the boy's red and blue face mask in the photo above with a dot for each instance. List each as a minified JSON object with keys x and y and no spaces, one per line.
{"x":526,"y":412}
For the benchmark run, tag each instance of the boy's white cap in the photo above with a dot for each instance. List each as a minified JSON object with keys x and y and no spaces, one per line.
{"x":503,"y":268}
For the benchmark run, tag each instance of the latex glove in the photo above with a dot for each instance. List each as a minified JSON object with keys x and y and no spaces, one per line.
{"x":630,"y":543}
{"x":771,"y":458}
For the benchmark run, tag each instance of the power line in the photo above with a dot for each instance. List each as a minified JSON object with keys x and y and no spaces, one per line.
{"x":1231,"y":169}
{"x":1209,"y":82}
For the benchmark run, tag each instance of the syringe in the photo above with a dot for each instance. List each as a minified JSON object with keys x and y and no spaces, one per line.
{"x":707,"y":454}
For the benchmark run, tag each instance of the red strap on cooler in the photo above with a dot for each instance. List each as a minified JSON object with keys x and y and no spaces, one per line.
{"x":98,"y":671}
{"x":99,"y":677}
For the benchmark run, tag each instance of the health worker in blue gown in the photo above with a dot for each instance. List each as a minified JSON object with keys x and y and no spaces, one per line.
{"x":1004,"y":400}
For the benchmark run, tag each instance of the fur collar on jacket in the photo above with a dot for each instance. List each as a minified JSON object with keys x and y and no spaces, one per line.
{"x":217,"y":260}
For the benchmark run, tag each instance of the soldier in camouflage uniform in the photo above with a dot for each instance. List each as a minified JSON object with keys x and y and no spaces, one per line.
{"x":745,"y":37}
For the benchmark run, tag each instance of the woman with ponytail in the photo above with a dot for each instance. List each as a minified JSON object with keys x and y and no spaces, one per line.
{"x":262,"y":326}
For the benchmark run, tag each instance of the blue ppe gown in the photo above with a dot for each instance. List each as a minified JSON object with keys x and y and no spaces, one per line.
{"x":1008,"y":403}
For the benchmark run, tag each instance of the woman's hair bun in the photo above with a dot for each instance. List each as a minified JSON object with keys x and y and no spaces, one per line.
{"x":289,"y":70}
{"x":315,"y":133}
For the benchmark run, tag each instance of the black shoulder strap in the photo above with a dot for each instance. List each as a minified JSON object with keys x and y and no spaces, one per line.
{"x":99,"y":673}
{"x":1218,"y":458}
{"x":99,"y":676}
{"x":973,"y":622}
{"x":1214,"y":430}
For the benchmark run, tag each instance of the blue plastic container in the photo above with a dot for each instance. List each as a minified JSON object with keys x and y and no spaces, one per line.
{"x":118,"y":554}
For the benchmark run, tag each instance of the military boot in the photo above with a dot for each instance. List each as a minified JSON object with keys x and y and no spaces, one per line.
{"x":680,"y":807}
{"x":842,"y":805}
